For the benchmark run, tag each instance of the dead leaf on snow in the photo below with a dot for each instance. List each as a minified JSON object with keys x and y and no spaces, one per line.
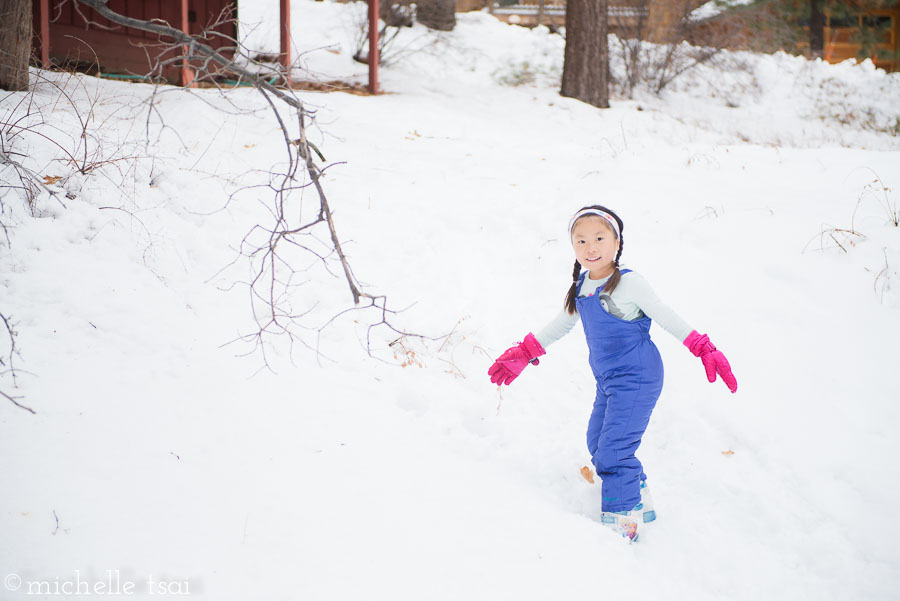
{"x":728,"y":452}
{"x":51,"y":179}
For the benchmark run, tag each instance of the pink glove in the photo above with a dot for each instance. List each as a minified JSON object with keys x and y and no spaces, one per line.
{"x":511,"y":363}
{"x":714,"y":361}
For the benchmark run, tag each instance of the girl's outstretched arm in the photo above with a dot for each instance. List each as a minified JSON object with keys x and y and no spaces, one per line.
{"x":511,"y":363}
{"x":634,"y":288}
{"x":640,"y":292}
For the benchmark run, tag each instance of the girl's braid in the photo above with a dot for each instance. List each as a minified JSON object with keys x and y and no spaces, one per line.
{"x":573,"y":289}
{"x":613,"y":280}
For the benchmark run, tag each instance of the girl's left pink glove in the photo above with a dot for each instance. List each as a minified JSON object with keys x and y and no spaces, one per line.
{"x":510,"y":364}
{"x":713,"y":360}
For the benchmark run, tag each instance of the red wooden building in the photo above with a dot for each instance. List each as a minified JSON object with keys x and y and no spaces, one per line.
{"x":77,"y":35}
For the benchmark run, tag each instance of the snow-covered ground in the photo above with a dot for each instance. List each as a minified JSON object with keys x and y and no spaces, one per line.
{"x":158,"y":451}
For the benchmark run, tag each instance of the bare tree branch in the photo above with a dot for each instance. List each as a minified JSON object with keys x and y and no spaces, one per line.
{"x":267,"y":286}
{"x":7,"y":363}
{"x":280,"y":251}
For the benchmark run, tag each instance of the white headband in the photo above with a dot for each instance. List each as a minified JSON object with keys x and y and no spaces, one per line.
{"x":598,"y":213}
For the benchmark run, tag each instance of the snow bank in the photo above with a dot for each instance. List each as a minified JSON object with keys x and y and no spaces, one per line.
{"x":157,"y":450}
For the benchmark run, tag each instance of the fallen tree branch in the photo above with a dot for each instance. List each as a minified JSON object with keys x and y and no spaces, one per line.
{"x":276,"y":249}
{"x":197,"y":49}
{"x":8,"y":363}
{"x":16,"y":403}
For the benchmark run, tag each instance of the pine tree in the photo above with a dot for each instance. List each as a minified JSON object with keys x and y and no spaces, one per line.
{"x":586,"y":62}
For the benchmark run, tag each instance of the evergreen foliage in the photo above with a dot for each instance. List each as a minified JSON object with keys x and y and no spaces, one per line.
{"x":786,"y":23}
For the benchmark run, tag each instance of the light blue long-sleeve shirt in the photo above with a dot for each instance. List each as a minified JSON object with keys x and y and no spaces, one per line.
{"x":632,"y":299}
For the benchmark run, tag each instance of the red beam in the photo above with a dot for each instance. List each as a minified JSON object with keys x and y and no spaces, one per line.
{"x":44,"y":15}
{"x":284,"y":55}
{"x":373,"y":46}
{"x":187,"y":74}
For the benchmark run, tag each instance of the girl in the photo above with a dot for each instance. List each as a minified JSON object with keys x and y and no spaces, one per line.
{"x":616,"y":307}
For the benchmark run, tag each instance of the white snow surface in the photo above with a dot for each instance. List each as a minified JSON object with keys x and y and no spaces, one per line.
{"x":159,"y":451}
{"x":714,"y":8}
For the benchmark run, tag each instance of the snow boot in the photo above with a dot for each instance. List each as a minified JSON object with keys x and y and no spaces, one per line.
{"x":624,"y":523}
{"x":645,"y":507}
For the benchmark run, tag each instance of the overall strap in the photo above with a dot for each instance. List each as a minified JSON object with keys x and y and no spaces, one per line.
{"x":579,"y":283}
{"x":584,"y":273}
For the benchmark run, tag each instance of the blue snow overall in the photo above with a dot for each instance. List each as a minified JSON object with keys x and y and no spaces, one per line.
{"x":629,"y":374}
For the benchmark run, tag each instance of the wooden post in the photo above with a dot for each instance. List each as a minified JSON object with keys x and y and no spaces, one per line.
{"x":895,"y":35}
{"x":187,"y":73}
{"x":284,"y":56}
{"x":44,"y":15}
{"x":373,"y":46}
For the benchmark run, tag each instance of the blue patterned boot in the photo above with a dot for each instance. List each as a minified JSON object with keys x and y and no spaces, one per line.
{"x":624,"y":523}
{"x":645,"y":507}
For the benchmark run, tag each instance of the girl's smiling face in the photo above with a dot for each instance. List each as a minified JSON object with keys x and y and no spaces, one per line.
{"x":595,"y":246}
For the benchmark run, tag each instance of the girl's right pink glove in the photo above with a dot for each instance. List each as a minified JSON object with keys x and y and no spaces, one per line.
{"x":510,"y":364}
{"x":713,"y":360}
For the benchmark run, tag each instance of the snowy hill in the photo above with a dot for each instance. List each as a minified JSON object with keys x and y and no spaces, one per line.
{"x":159,"y":451}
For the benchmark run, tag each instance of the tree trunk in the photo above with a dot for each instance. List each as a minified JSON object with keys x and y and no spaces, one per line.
{"x":816,"y":29}
{"x":586,"y":64}
{"x":15,"y":44}
{"x":437,"y":14}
